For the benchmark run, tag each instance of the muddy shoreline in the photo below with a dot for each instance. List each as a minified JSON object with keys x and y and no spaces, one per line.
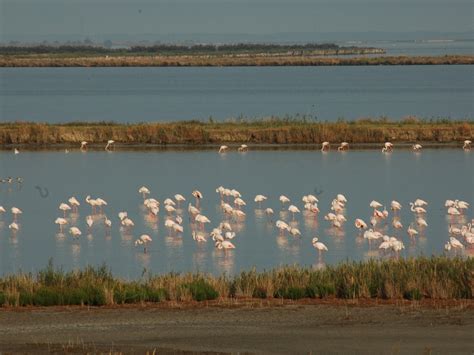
{"x":292,"y":327}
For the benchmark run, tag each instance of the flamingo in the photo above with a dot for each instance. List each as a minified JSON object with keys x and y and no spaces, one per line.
{"x":453,"y":211}
{"x":110,"y":143}
{"x":318,"y":245}
{"x":269,"y":211}
{"x":198,"y":195}
{"x":170,"y":209}
{"x":293,"y":209}
{"x":388,"y":147}
{"x":83,"y":145}
{"x":16,"y":211}
{"x":2,"y":210}
{"x":340,"y":198}
{"x":421,"y":222}
{"x":199,"y":237}
{"x":14,"y":226}
{"x":169,"y":202}
{"x":325,"y":146}
{"x":417,"y":147}
{"x":259,"y":199}
{"x":454,"y":230}
{"x":412,"y":231}
{"x":61,"y":222}
{"x":243,"y":148}
{"x":16,"y":151}
{"x":360,"y":224}
{"x":122,"y":215}
{"x":420,"y":203}
{"x":223,"y":149}
{"x":239,"y":202}
{"x":75,"y":232}
{"x":397,"y":224}
{"x":225,"y":244}
{"x":64,"y":207}
{"x":343,"y":146}
{"x":74,"y":203}
{"x":202,"y":219}
{"x":89,"y":221}
{"x":225,"y":226}
{"x":127,"y":222}
{"x":143,"y":240}
{"x":375,"y":204}
{"x":295,"y":232}
{"x":467,"y":144}
{"x":282,"y":226}
{"x":455,"y":243}
{"x":179,"y":198}
{"x":144,"y":191}
{"x":395,"y":206}
{"x":417,"y":210}
{"x":283,"y":199}
{"x":93,"y":203}
{"x":107,"y":222}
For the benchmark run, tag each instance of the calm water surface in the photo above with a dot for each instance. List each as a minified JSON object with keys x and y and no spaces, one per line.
{"x":433,"y":175}
{"x":165,"y":94}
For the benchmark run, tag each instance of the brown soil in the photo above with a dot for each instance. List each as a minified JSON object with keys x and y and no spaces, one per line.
{"x":431,"y":327}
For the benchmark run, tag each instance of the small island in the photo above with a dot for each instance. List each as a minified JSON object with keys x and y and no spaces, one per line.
{"x":210,"y":55}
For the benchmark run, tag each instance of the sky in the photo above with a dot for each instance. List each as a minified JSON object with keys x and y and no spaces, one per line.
{"x":102,"y":19}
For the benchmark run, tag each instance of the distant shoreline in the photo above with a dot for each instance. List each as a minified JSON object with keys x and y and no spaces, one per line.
{"x":264,"y":132}
{"x":48,"y":60}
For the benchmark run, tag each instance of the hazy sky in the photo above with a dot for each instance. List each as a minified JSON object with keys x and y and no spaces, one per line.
{"x":101,"y":18}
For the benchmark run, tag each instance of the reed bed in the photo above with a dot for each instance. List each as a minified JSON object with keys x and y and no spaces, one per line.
{"x":438,"y":278}
{"x":41,"y":60}
{"x":272,"y":130}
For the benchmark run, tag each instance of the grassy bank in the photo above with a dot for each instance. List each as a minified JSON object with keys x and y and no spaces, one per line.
{"x":47,"y":60}
{"x":413,"y":279}
{"x":264,"y":131}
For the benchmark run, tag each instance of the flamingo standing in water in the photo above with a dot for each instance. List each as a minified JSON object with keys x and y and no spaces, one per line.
{"x":64,"y":207}
{"x":144,"y":191}
{"x":395,"y":206}
{"x":143,"y":240}
{"x":83,"y":145}
{"x":110,"y":144}
{"x":388,"y":147}
{"x":325,"y":146}
{"x":360,"y":224}
{"x":61,"y":222}
{"x":74,"y":203}
{"x":75,"y":232}
{"x":417,"y":147}
{"x":259,"y":199}
{"x":225,"y":244}
{"x":223,"y":149}
{"x":179,"y":198}
{"x":284,"y":199}
{"x":343,"y":146}
{"x":243,"y":148}
{"x":293,"y":209}
{"x":16,"y":211}
{"x":318,"y":245}
{"x":467,"y":144}
{"x":198,"y":196}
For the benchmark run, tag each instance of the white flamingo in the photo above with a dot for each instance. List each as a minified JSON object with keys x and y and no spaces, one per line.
{"x":110,"y":144}
{"x":325,"y":146}
{"x":143,"y":240}
{"x":223,"y":149}
{"x":318,"y":245}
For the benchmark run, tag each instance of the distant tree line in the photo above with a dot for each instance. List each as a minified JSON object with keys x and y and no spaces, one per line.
{"x":172,"y":48}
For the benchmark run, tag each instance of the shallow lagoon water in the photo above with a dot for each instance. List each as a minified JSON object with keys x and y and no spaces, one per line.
{"x":361,"y":175}
{"x":169,"y":94}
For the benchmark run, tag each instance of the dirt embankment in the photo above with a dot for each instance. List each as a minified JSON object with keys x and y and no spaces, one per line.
{"x":192,"y":133}
{"x":295,"y":329}
{"x":38,"y":60}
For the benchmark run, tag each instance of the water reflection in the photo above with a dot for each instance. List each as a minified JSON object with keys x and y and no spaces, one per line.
{"x":258,"y":241}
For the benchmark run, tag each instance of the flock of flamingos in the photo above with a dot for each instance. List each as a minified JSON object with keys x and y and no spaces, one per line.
{"x":232,"y":206}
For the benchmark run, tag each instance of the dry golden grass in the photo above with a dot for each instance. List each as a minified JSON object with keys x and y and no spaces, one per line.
{"x":263,"y":131}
